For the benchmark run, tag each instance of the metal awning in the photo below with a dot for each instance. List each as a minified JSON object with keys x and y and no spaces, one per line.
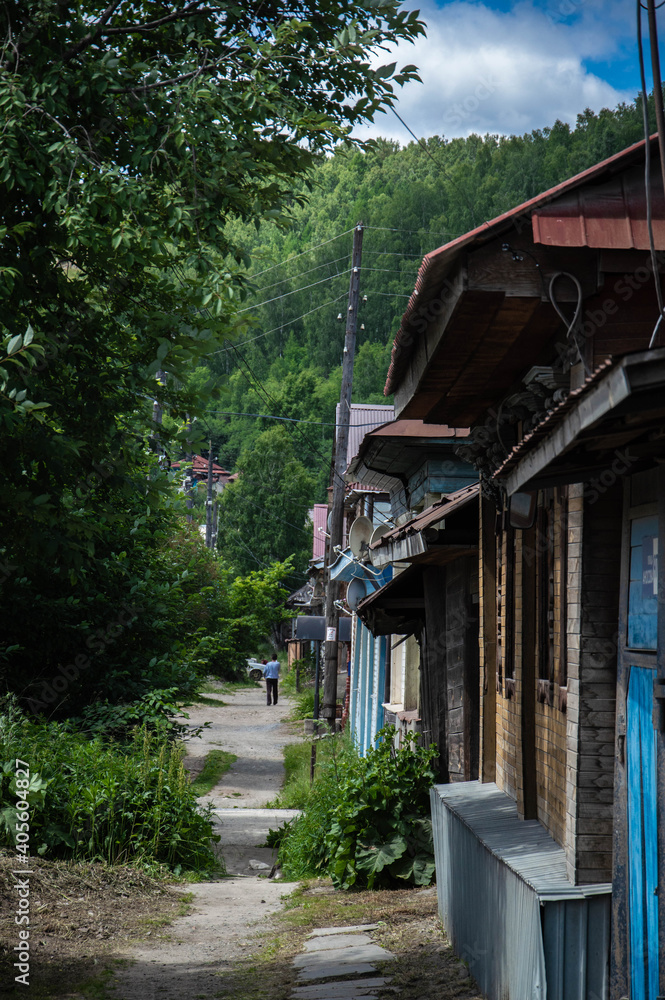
{"x":614,"y":422}
{"x":398,"y":608}
{"x":426,"y":538}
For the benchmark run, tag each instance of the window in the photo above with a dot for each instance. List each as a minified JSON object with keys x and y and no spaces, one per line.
{"x":551,"y":584}
{"x":505,"y":605}
{"x":545,"y":597}
{"x":643,"y":585}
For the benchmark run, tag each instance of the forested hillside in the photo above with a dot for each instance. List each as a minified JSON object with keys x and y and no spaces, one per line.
{"x":412,"y":200}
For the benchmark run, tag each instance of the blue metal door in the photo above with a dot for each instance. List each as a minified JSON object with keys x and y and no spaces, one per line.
{"x":642,"y":835}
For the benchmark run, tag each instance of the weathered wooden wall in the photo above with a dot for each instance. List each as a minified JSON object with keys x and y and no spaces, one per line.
{"x":461,"y":640}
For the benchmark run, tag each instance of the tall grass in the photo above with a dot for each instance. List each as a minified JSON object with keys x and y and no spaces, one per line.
{"x":91,"y":800}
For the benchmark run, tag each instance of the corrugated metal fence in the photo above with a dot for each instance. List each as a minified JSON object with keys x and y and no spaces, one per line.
{"x":506,"y":903}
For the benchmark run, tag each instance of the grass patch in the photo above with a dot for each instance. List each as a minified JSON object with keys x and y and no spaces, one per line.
{"x":216,"y":764}
{"x":303,"y":706}
{"x":298,"y":790}
{"x":210,"y":702}
{"x":226,"y":687}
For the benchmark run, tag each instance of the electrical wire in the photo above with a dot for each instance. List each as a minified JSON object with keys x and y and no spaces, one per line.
{"x":647,"y":179}
{"x":571,"y":331}
{"x":438,"y":166}
{"x":285,"y":295}
{"x":293,"y":420}
{"x":309,"y":270}
{"x":302,"y":254}
{"x":275,"y":329}
{"x":427,"y":232}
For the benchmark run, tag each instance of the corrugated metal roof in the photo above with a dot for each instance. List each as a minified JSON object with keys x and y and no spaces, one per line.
{"x":436,"y":264}
{"x":609,"y":216}
{"x":431,"y":515}
{"x":319,"y":516}
{"x":524,"y":845}
{"x":365,"y":417}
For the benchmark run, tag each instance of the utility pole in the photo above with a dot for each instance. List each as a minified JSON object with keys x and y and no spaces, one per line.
{"x":339,"y":468}
{"x":189,"y":491}
{"x":209,"y":501}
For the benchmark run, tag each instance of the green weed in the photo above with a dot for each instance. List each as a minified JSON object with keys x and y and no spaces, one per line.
{"x":366,"y":820}
{"x":89,"y":799}
{"x":217,"y":763}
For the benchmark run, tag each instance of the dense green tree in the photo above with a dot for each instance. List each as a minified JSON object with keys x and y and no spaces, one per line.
{"x":412,"y":200}
{"x":263,"y":515}
{"x":134,"y":132}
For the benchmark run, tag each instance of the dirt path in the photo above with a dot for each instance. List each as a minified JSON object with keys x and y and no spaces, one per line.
{"x":191,"y":957}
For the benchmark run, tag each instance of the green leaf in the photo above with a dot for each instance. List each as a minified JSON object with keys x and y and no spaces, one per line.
{"x":373,"y":858}
{"x":14,"y":345}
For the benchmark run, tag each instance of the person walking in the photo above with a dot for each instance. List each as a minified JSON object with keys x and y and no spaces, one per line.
{"x":271,"y":674}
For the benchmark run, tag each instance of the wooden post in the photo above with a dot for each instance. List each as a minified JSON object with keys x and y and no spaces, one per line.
{"x":209,"y":501}
{"x":488,"y":627}
{"x":337,"y":512}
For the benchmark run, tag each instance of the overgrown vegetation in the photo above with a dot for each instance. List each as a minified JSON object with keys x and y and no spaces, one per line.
{"x":91,"y":800}
{"x":366,"y":820}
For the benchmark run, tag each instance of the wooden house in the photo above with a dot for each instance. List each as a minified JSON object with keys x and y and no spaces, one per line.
{"x":541,"y":331}
{"x":427,"y":614}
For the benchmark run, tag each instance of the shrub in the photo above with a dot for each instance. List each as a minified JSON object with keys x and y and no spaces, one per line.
{"x":367,"y":823}
{"x":93,"y":801}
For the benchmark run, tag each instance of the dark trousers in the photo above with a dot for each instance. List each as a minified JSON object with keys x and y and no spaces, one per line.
{"x":271,"y":688}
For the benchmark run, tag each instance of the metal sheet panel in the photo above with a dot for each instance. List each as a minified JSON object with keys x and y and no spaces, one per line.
{"x":507,"y":905}
{"x":491,"y":917}
{"x":363,"y":419}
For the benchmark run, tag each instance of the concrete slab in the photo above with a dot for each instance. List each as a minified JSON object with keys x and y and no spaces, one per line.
{"x":351,"y":929}
{"x":335,"y":971}
{"x":327,"y":941}
{"x":340,"y":991}
{"x":342,"y":956}
{"x":349,"y":993}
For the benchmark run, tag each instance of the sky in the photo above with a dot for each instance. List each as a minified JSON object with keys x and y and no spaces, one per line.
{"x":508,"y":67}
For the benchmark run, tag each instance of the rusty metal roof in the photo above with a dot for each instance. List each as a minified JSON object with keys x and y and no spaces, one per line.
{"x":431,"y":515}
{"x":610,"y":215}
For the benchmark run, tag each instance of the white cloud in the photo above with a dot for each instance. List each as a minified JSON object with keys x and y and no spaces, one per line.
{"x":505,"y":72}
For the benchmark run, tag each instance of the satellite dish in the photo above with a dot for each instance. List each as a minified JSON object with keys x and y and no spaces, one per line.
{"x":380,"y":532}
{"x":359,"y":536}
{"x":355,"y":593}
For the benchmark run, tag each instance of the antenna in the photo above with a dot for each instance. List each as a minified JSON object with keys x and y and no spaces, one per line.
{"x":356,"y":591}
{"x":359,"y":536}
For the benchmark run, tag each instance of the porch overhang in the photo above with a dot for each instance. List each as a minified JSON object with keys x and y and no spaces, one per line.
{"x":398,"y":607}
{"x":437,"y":535}
{"x":618,"y":417}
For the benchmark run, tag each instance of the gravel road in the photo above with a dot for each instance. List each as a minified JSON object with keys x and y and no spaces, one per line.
{"x":191,"y":956}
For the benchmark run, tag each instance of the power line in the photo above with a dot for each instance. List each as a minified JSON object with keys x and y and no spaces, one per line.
{"x":302,"y":254}
{"x":438,"y":166}
{"x":331,"y":277}
{"x":427,"y":232}
{"x":294,"y":420}
{"x":275,"y":329}
{"x":292,"y":277}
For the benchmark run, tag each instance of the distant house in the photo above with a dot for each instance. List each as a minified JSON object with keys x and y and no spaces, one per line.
{"x":197,"y":471}
{"x":428,"y":612}
{"x":541,"y":332}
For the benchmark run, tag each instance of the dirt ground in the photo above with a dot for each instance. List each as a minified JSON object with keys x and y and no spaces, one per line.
{"x":118,"y":933}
